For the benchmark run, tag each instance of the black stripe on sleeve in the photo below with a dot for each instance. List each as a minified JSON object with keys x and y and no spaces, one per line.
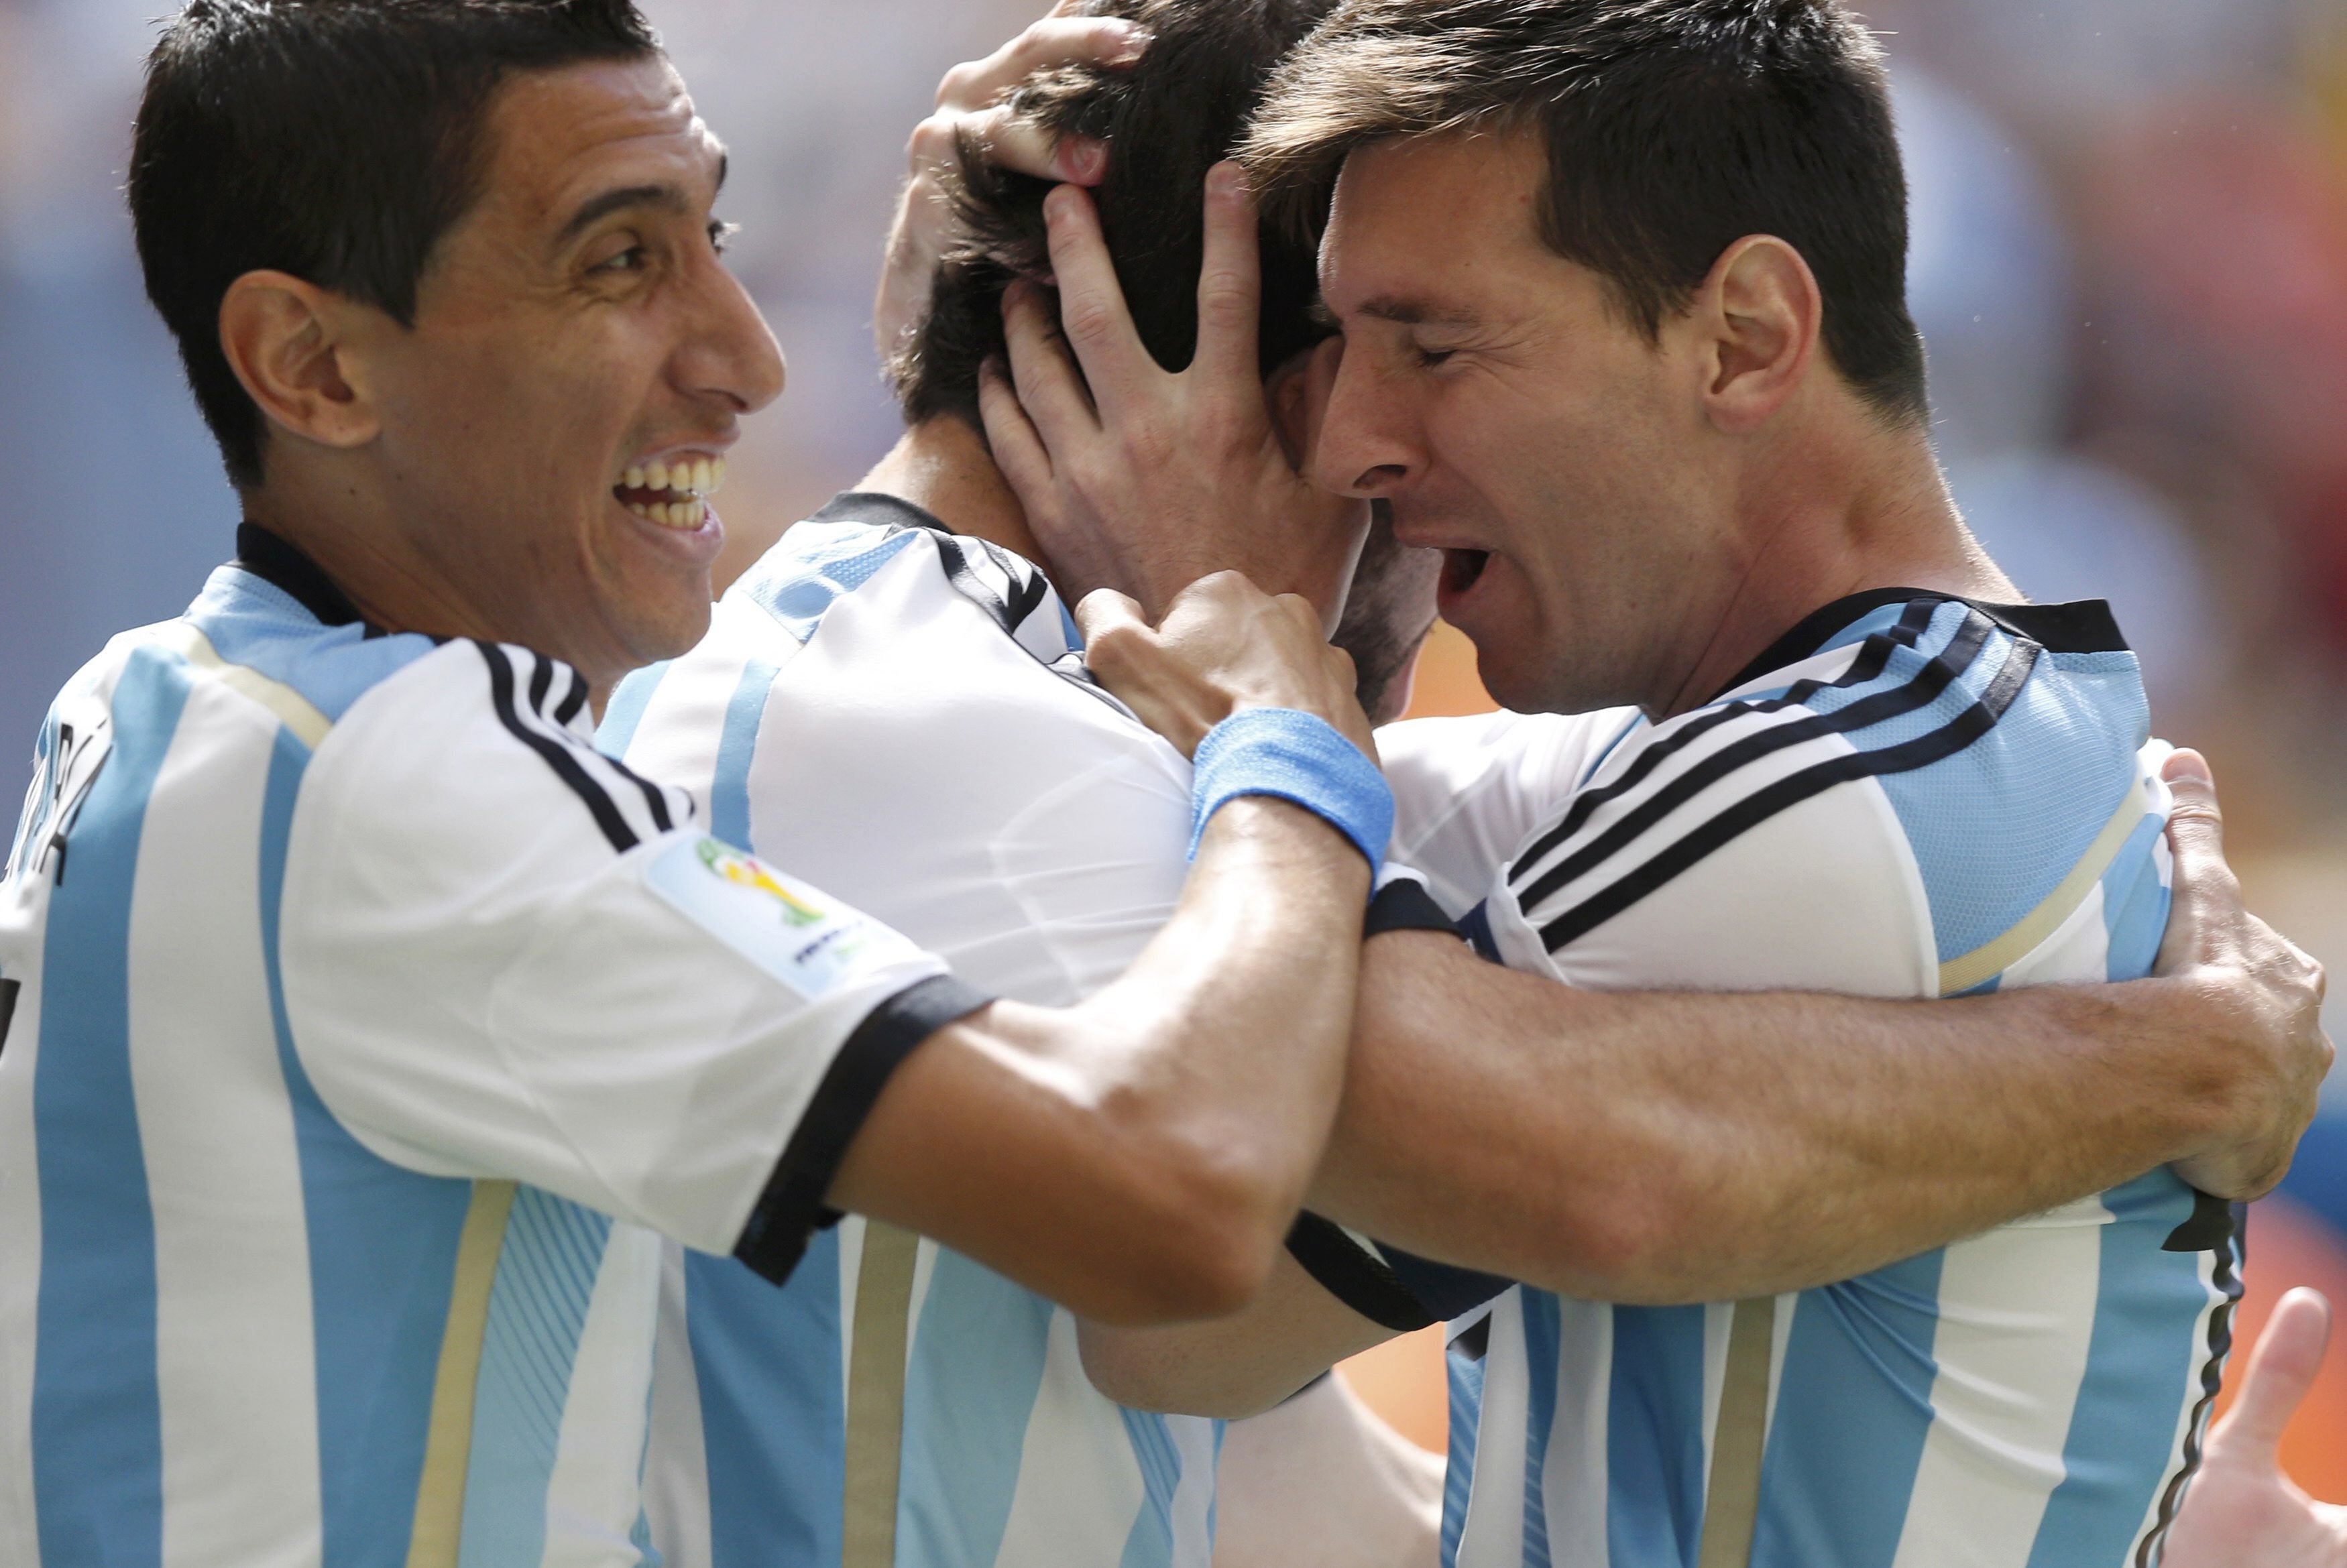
{"x":1404,"y":904}
{"x":1930,"y":682}
{"x":1360,"y":1281}
{"x":654,"y":796}
{"x":1392,"y":1289}
{"x":558,"y":756}
{"x":1873,"y":657}
{"x":791,"y":1208}
{"x":1755,"y":809}
{"x":567,"y":714}
{"x":9,"y":991}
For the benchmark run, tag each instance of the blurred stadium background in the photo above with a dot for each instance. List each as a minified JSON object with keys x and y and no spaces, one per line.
{"x":2130,"y":262}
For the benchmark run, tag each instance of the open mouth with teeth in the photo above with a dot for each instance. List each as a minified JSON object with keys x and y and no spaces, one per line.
{"x":1461,"y":568}
{"x":673,"y":494}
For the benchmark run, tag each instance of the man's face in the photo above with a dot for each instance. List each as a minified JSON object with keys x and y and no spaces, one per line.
{"x":579,"y":367}
{"x":1520,"y":422}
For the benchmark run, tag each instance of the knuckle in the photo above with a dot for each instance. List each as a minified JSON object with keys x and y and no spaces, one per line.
{"x":1089,"y":321}
{"x":959,"y":84}
{"x":1148,"y":447}
{"x":935,"y":137}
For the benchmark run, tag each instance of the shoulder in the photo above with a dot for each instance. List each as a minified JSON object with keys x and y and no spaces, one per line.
{"x":1467,"y":792}
{"x":1833,"y":803}
{"x":480,"y":742}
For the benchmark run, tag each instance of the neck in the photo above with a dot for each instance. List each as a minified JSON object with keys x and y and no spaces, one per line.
{"x":943,"y":466}
{"x":373,"y":562}
{"x":1890,"y":523}
{"x":400,"y":583}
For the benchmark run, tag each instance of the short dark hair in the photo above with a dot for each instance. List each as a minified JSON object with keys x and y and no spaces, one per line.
{"x":336,"y":141}
{"x":1673,"y":128}
{"x":1167,"y":119}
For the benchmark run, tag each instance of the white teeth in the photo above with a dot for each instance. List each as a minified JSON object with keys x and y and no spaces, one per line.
{"x":716,"y":476}
{"x":634,"y":479}
{"x":701,"y":475}
{"x":656,"y":475}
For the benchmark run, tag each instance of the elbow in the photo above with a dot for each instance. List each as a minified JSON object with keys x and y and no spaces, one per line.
{"x":1207,"y":1226}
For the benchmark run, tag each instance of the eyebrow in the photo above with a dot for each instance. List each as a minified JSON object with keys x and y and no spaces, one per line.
{"x":669,"y":197}
{"x":1416,"y":313}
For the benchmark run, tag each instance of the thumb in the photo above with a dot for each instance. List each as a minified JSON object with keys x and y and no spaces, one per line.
{"x":2196,"y":840}
{"x":2281,"y":1370}
{"x":2196,"y":825}
{"x":1105,"y":612}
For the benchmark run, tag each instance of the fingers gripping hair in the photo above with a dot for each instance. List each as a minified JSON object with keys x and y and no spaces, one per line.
{"x":1167,"y":120}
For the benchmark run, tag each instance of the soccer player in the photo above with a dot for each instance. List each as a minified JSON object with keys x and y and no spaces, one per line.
{"x":363,"y":1030}
{"x":901,"y":658}
{"x":1622,"y":294}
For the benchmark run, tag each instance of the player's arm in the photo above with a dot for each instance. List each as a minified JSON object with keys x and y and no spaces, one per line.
{"x":1644,"y":1147}
{"x":1142,"y":1155}
{"x":503,"y":960}
{"x":1650,"y":1148}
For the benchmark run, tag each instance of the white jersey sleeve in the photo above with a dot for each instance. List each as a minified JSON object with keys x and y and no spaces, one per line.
{"x":505,"y":955}
{"x":1680,"y":865}
{"x":1467,"y":792}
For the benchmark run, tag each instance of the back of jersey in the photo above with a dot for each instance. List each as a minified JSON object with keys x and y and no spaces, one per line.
{"x":897,"y":712}
{"x":1911,"y":796}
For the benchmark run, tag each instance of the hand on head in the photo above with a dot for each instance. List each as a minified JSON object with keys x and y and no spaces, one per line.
{"x":2262,"y":995}
{"x":974,"y":103}
{"x":1144,"y":480}
{"x":2242,"y":1511}
{"x":1224,"y":645}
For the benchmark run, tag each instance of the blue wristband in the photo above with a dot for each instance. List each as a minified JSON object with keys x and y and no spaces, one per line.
{"x":1296,"y":757}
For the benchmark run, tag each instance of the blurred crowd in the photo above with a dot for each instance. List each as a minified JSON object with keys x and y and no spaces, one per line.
{"x":2130,"y":262}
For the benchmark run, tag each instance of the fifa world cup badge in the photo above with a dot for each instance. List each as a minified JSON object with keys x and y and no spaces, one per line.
{"x":807,"y":942}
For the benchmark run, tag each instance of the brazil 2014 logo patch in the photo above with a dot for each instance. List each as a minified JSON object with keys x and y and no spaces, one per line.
{"x":803,"y":939}
{"x":744,"y":872}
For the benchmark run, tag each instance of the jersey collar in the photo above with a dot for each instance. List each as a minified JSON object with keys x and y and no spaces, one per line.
{"x":277,"y":561}
{"x":2087,"y":625}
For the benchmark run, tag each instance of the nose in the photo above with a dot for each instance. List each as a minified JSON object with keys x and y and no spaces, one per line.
{"x":730,"y":354}
{"x":1368,"y":445}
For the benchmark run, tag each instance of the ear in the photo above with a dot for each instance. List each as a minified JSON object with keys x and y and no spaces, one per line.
{"x":1762,"y":312}
{"x":292,"y":344}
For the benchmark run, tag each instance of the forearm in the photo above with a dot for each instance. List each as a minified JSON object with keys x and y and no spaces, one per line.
{"x":1140,"y":1156}
{"x":1662,"y":1148}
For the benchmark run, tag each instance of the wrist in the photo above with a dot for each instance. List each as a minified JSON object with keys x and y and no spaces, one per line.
{"x":1300,"y":758}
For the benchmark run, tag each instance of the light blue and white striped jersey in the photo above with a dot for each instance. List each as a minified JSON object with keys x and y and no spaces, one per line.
{"x":1910,"y":796}
{"x":906,"y":709}
{"x":369,"y":1029}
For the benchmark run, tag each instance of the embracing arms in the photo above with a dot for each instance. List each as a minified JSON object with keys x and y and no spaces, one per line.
{"x":1652,"y":1147}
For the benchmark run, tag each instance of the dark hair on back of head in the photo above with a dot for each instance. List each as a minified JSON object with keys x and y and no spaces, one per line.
{"x":336,"y":141}
{"x":1167,"y":120}
{"x":1673,"y":128}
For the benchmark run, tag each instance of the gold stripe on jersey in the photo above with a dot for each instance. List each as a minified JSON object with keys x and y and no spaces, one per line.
{"x":294,"y":710}
{"x":1994,"y":957}
{"x":875,"y":1395}
{"x":439,"y":1528}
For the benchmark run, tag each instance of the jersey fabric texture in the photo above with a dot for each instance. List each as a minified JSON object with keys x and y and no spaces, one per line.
{"x":373,"y":1029}
{"x":1911,"y":796}
{"x":907,"y":708}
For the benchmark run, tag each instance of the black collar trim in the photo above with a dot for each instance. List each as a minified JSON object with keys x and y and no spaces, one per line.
{"x":275,"y":561}
{"x":860,"y":506}
{"x":2085,"y":626}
